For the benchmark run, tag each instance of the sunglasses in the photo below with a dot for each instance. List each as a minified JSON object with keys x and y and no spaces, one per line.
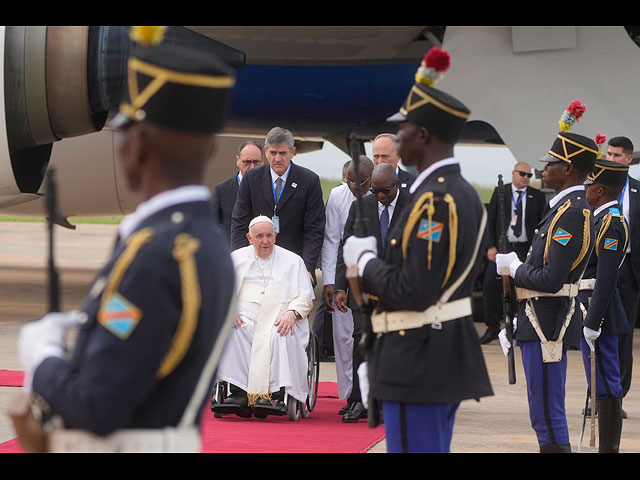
{"x":353,"y":182}
{"x":524,"y":174}
{"x":386,"y":191}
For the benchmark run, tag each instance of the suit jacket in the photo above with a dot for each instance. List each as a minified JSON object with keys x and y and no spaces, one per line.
{"x":370,"y":211}
{"x":603,"y":304}
{"x":300,"y":210}
{"x":430,"y":364}
{"x":405,"y":178}
{"x":222,"y":203}
{"x":116,"y":377}
{"x":534,"y":210}
{"x":553,"y":262}
{"x":634,"y":227}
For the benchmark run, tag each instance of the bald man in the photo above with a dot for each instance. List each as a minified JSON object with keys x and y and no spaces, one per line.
{"x":523,"y":209}
{"x":382,"y":209}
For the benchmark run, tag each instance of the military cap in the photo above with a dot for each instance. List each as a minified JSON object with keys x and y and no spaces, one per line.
{"x":428,"y":107}
{"x":608,"y":172}
{"x":178,"y":87}
{"x":570,"y":147}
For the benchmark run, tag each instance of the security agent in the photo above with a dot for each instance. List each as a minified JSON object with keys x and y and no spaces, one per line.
{"x":523,"y":207}
{"x":549,"y":319}
{"x":605,"y":318}
{"x":224,"y":193}
{"x":155,"y":311}
{"x":425,"y":359}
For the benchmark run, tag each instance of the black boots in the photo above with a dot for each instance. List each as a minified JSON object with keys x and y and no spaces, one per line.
{"x":555,"y":448}
{"x":609,"y":424}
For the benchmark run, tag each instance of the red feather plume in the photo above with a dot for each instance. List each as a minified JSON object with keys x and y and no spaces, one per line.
{"x":438,"y":59}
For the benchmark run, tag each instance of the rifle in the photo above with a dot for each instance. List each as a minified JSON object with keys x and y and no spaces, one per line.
{"x":503,"y":247}
{"x":360,"y":229}
{"x":26,"y":417}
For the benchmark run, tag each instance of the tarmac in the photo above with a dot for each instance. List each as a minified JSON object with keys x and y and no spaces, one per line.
{"x":496,"y":424}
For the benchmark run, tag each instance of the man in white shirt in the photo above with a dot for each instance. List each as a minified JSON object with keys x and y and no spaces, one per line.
{"x":340,"y":200}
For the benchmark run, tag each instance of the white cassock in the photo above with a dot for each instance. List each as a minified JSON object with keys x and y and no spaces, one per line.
{"x":256,"y":357}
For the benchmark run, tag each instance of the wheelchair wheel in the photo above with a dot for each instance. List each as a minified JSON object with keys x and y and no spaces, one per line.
{"x":313,"y":374}
{"x":293,"y":408}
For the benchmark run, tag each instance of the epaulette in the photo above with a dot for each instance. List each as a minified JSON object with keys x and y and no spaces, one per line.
{"x":430,"y":230}
{"x":586,"y":238}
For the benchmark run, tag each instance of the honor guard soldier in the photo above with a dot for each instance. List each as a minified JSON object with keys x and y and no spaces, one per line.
{"x":605,"y":315}
{"x":426,"y":357}
{"x":153,"y":321}
{"x":549,"y":318}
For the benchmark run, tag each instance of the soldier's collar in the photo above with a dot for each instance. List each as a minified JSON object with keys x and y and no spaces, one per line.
{"x":425,"y":173}
{"x":599,"y":210}
{"x":555,"y":200}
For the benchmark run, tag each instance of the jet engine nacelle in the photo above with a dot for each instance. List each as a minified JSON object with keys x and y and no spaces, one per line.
{"x":60,"y":84}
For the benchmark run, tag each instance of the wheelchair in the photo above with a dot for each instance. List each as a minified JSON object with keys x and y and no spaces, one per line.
{"x":290,"y":406}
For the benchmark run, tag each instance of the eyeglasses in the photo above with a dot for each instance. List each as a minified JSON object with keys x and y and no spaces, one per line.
{"x":386,"y":191}
{"x":246,"y":163}
{"x":353,"y":182}
{"x":524,"y":174}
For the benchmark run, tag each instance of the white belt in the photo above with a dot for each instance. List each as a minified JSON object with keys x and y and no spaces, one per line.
{"x":588,"y":284}
{"x":567,"y":290}
{"x":405,"y":319}
{"x":165,"y":440}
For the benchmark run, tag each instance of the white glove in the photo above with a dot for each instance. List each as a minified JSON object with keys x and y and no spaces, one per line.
{"x":354,"y":247}
{"x":591,"y":336}
{"x":45,"y":338}
{"x":507,"y":263}
{"x":504,"y":341}
{"x":363,"y":378}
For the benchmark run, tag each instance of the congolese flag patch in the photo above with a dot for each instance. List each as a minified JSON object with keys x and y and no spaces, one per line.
{"x":610,"y":244}
{"x":430,"y":230}
{"x":119,"y":316}
{"x":562,"y":237}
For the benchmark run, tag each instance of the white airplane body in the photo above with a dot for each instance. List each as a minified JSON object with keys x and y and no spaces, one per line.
{"x":322,"y":83}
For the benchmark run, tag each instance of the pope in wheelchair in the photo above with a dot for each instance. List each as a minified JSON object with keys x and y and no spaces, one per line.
{"x":265,"y":360}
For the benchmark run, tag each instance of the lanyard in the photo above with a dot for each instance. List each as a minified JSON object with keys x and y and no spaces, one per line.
{"x":519,"y":199}
{"x":621,"y":197}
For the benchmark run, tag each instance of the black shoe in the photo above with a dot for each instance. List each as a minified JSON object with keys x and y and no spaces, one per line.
{"x":489,"y":336}
{"x":346,"y":408}
{"x":356,"y":413}
{"x":234,"y":404}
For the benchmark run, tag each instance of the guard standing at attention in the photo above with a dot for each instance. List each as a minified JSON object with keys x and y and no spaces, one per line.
{"x":426,"y":357}
{"x":153,"y":321}
{"x":549,"y":318}
{"x":605,"y":318}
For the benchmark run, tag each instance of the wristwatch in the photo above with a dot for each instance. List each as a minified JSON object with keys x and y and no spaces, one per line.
{"x":298,"y":316}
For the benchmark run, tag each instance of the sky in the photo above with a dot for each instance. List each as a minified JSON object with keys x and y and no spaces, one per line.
{"x":480,"y":165}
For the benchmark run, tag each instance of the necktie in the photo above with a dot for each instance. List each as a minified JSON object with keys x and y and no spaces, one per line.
{"x":384,"y":223}
{"x":517,"y":228}
{"x":278,"y":188}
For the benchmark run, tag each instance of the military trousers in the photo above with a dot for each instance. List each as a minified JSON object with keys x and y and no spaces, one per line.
{"x":418,"y":427}
{"x":546,"y":394}
{"x":607,"y":366}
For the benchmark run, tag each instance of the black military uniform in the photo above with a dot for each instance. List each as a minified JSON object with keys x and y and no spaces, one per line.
{"x":425,"y":360}
{"x":547,"y":284}
{"x":156,"y":309}
{"x":604,"y":307}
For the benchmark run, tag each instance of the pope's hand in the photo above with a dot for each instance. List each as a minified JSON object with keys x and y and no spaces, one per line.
{"x":507,"y":263}
{"x":286,"y":323}
{"x":45,"y":338}
{"x":354,"y":247}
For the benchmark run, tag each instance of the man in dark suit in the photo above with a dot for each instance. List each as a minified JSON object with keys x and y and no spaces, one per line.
{"x":385,"y":150}
{"x":620,"y":149}
{"x":382,"y":210}
{"x":523,"y":209}
{"x":224,"y":194}
{"x":287,"y":193}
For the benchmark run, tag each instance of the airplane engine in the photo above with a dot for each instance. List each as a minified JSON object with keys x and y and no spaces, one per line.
{"x":59,"y":86}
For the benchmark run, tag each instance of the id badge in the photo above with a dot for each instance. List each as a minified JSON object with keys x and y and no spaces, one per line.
{"x":276,"y":223}
{"x":514,"y":219}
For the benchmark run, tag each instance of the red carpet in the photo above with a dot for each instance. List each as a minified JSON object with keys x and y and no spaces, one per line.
{"x":11,"y":378}
{"x":322,"y":432}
